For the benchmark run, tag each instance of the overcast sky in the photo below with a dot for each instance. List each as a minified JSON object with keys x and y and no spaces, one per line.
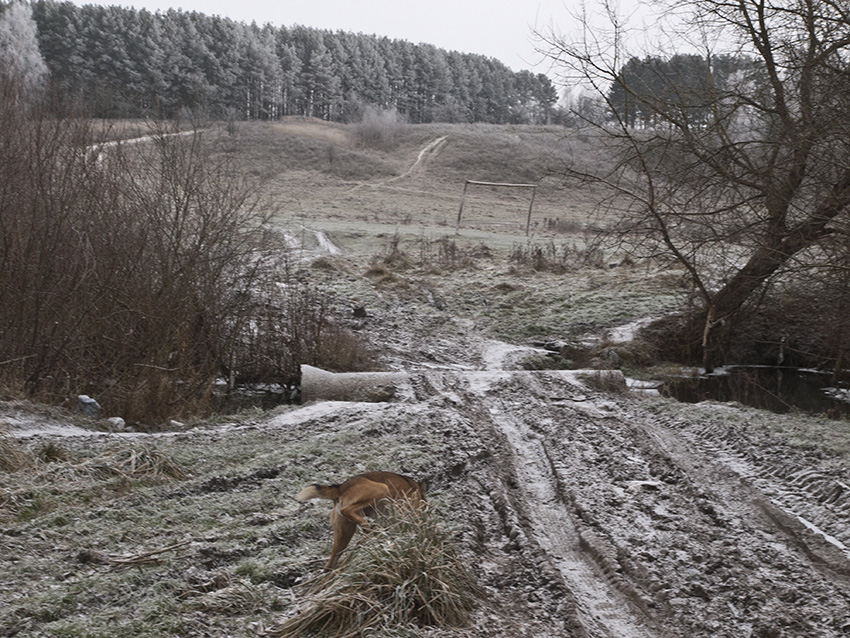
{"x":503,"y":29}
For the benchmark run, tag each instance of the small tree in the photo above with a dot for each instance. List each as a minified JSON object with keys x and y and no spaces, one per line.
{"x":742,"y":170}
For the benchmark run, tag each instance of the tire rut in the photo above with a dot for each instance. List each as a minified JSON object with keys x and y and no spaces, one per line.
{"x":605,"y":605}
{"x":818,"y":497}
{"x":649,"y":530}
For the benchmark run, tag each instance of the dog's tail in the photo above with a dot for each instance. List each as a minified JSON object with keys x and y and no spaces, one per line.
{"x":330,"y":492}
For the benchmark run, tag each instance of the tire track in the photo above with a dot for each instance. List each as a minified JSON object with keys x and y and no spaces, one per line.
{"x":602,"y":608}
{"x":818,"y":497}
{"x":632,"y":514}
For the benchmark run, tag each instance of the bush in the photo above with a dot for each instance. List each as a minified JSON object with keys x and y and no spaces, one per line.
{"x":444,"y":253}
{"x":553,"y":258}
{"x":378,"y":129}
{"x":405,"y":572}
{"x":141,"y":273}
{"x":801,"y":323}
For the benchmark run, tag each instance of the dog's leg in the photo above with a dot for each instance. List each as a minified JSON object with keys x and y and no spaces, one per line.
{"x":352,"y":513}
{"x":343,"y":531}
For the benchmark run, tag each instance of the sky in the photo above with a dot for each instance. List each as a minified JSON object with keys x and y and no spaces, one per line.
{"x":502,"y":29}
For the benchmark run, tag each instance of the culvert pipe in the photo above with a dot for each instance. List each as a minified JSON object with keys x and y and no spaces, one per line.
{"x":321,"y":385}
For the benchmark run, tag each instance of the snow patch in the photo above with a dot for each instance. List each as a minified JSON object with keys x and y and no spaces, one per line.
{"x":326,"y":244}
{"x":496,"y":354}
{"x":627,"y":332}
{"x":829,"y":538}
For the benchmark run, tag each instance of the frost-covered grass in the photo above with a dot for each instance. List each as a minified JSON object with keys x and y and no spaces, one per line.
{"x":479,"y":272}
{"x":476,"y":279}
{"x":804,"y":431}
{"x":200,"y":537}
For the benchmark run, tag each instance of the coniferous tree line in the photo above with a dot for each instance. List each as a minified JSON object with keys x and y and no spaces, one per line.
{"x":129,"y":62}
{"x":647,"y":92}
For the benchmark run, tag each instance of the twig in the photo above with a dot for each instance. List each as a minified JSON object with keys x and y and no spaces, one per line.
{"x":144,"y":558}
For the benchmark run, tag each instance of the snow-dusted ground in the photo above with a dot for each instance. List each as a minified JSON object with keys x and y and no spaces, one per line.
{"x":596,"y":515}
{"x":582,"y":513}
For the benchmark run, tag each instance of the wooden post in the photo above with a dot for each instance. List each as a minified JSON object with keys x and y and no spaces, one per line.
{"x":530,"y":206}
{"x":460,"y":212}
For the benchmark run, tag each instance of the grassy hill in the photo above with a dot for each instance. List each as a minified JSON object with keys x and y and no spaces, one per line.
{"x":579,"y":508}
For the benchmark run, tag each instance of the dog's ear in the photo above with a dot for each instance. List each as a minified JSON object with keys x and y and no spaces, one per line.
{"x":423,"y":485}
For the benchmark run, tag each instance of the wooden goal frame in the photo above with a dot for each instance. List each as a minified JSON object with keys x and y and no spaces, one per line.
{"x":533,"y":188}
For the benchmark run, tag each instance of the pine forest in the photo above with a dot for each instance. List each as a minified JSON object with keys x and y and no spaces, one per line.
{"x":130,"y":63}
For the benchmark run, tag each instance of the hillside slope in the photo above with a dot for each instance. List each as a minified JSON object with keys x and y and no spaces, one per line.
{"x":582,"y":511}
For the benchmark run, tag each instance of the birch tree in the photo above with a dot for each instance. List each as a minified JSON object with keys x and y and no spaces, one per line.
{"x":21,"y":59}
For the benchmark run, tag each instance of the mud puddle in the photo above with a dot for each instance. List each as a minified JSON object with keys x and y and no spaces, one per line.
{"x":779,"y":390}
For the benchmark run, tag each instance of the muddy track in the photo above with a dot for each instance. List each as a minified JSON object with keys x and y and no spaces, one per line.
{"x":604,"y":604}
{"x":654,"y":528}
{"x":818,"y":498}
{"x":589,"y":515}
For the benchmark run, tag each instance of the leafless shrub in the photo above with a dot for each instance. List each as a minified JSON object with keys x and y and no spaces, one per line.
{"x":141,"y":273}
{"x":444,"y":253}
{"x":565,"y":226}
{"x":554,"y":258}
{"x":393,"y":255}
{"x":800,"y":322}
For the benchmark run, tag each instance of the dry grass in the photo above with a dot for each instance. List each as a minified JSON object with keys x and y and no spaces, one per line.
{"x":237,"y":598}
{"x":404,"y":573}
{"x":136,"y":462}
{"x":13,"y":457}
{"x":37,"y":480}
{"x":608,"y":381}
{"x":128,"y":461}
{"x":555,"y":258}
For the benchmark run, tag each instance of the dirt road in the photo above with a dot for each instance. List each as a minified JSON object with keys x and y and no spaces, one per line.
{"x":590,"y":514}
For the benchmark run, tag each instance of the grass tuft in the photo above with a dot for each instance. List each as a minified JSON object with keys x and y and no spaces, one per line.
{"x":239,"y":598}
{"x":607,"y":381}
{"x":405,"y":572}
{"x":135,"y":462}
{"x":13,"y":456}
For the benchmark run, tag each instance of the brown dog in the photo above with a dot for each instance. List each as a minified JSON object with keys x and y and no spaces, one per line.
{"x":361,"y":496}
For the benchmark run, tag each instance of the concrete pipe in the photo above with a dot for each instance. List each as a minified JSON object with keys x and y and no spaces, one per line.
{"x":321,"y":385}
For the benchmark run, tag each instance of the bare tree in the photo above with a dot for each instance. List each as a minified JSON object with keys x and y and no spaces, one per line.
{"x":740,"y":174}
{"x":143,"y":272}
